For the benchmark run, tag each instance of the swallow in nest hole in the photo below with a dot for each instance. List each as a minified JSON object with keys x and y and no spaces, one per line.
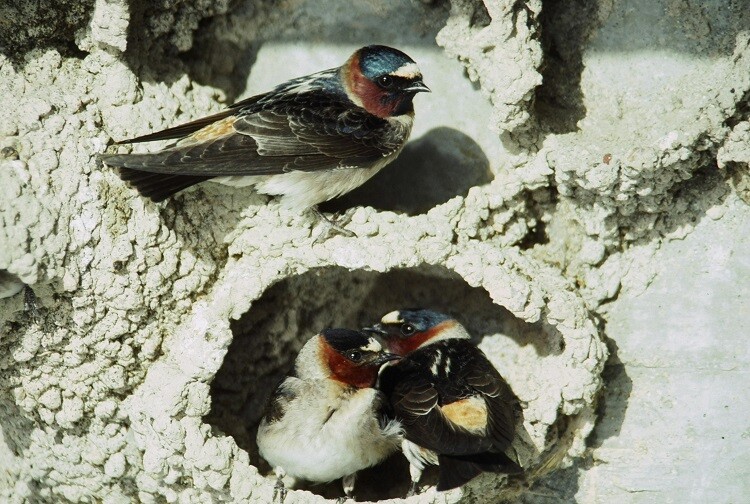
{"x":456,"y":409}
{"x":326,"y":420}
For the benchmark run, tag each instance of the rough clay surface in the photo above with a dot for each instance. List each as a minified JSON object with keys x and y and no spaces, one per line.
{"x":585,"y":136}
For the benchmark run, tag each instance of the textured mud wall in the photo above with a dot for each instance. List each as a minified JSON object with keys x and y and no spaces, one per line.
{"x":563,"y":149}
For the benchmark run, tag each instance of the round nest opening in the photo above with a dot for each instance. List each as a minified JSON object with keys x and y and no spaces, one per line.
{"x":267,"y":338}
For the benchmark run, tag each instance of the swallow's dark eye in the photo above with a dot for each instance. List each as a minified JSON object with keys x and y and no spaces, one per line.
{"x":354,"y":356}
{"x":407,"y":329}
{"x":385,"y":80}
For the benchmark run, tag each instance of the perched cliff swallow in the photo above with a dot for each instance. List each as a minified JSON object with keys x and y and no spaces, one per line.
{"x":326,"y":421}
{"x":457,"y":411}
{"x":309,"y":140}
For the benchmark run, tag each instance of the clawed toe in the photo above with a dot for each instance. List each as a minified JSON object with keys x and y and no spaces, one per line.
{"x":279,"y":491}
{"x":334,"y":226}
{"x":413,"y":489}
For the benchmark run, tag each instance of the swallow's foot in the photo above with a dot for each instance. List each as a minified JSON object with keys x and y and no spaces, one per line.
{"x":279,"y":490}
{"x":334,"y":226}
{"x":348,"y":483}
{"x":413,"y":489}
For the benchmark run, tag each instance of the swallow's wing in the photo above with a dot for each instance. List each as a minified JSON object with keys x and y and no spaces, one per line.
{"x":481,"y":377}
{"x":298,"y":134}
{"x":415,"y":402}
{"x":334,"y":136}
{"x":291,"y":87}
{"x":285,"y":392}
{"x":468,"y":413}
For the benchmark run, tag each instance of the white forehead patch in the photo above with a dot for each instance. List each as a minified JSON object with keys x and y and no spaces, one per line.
{"x":372,"y":346}
{"x":407,"y":71}
{"x":391,"y":318}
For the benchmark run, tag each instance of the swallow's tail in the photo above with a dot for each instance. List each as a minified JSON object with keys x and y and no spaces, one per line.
{"x":158,"y":186}
{"x":456,"y":471}
{"x":155,"y":186}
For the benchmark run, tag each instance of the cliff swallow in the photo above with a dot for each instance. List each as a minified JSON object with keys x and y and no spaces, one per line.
{"x":457,"y":411}
{"x":326,"y":421}
{"x":309,"y":140}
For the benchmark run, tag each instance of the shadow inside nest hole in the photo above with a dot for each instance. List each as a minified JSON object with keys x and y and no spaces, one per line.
{"x":268,"y":337}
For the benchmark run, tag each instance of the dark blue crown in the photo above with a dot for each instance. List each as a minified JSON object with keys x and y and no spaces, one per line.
{"x":377,"y":60}
{"x":423,"y":319}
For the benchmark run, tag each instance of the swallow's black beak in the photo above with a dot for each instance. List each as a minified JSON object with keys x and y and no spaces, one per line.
{"x":376,"y":329}
{"x":417,"y":87}
{"x":384,"y":357}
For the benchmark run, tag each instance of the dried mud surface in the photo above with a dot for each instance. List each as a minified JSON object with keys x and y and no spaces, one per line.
{"x":563,"y":144}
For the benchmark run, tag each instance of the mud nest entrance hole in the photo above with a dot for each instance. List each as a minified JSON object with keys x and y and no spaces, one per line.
{"x":268,"y":337}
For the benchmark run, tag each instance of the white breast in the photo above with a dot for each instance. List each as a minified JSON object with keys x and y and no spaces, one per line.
{"x":323,"y":437}
{"x":302,"y":190}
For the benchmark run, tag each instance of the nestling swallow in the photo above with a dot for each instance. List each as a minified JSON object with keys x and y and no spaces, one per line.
{"x":309,"y":140}
{"x":457,"y":411}
{"x":326,"y":421}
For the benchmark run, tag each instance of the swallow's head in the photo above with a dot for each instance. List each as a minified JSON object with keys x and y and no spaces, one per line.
{"x":350,"y":357}
{"x":407,"y":330}
{"x":382,"y":80}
